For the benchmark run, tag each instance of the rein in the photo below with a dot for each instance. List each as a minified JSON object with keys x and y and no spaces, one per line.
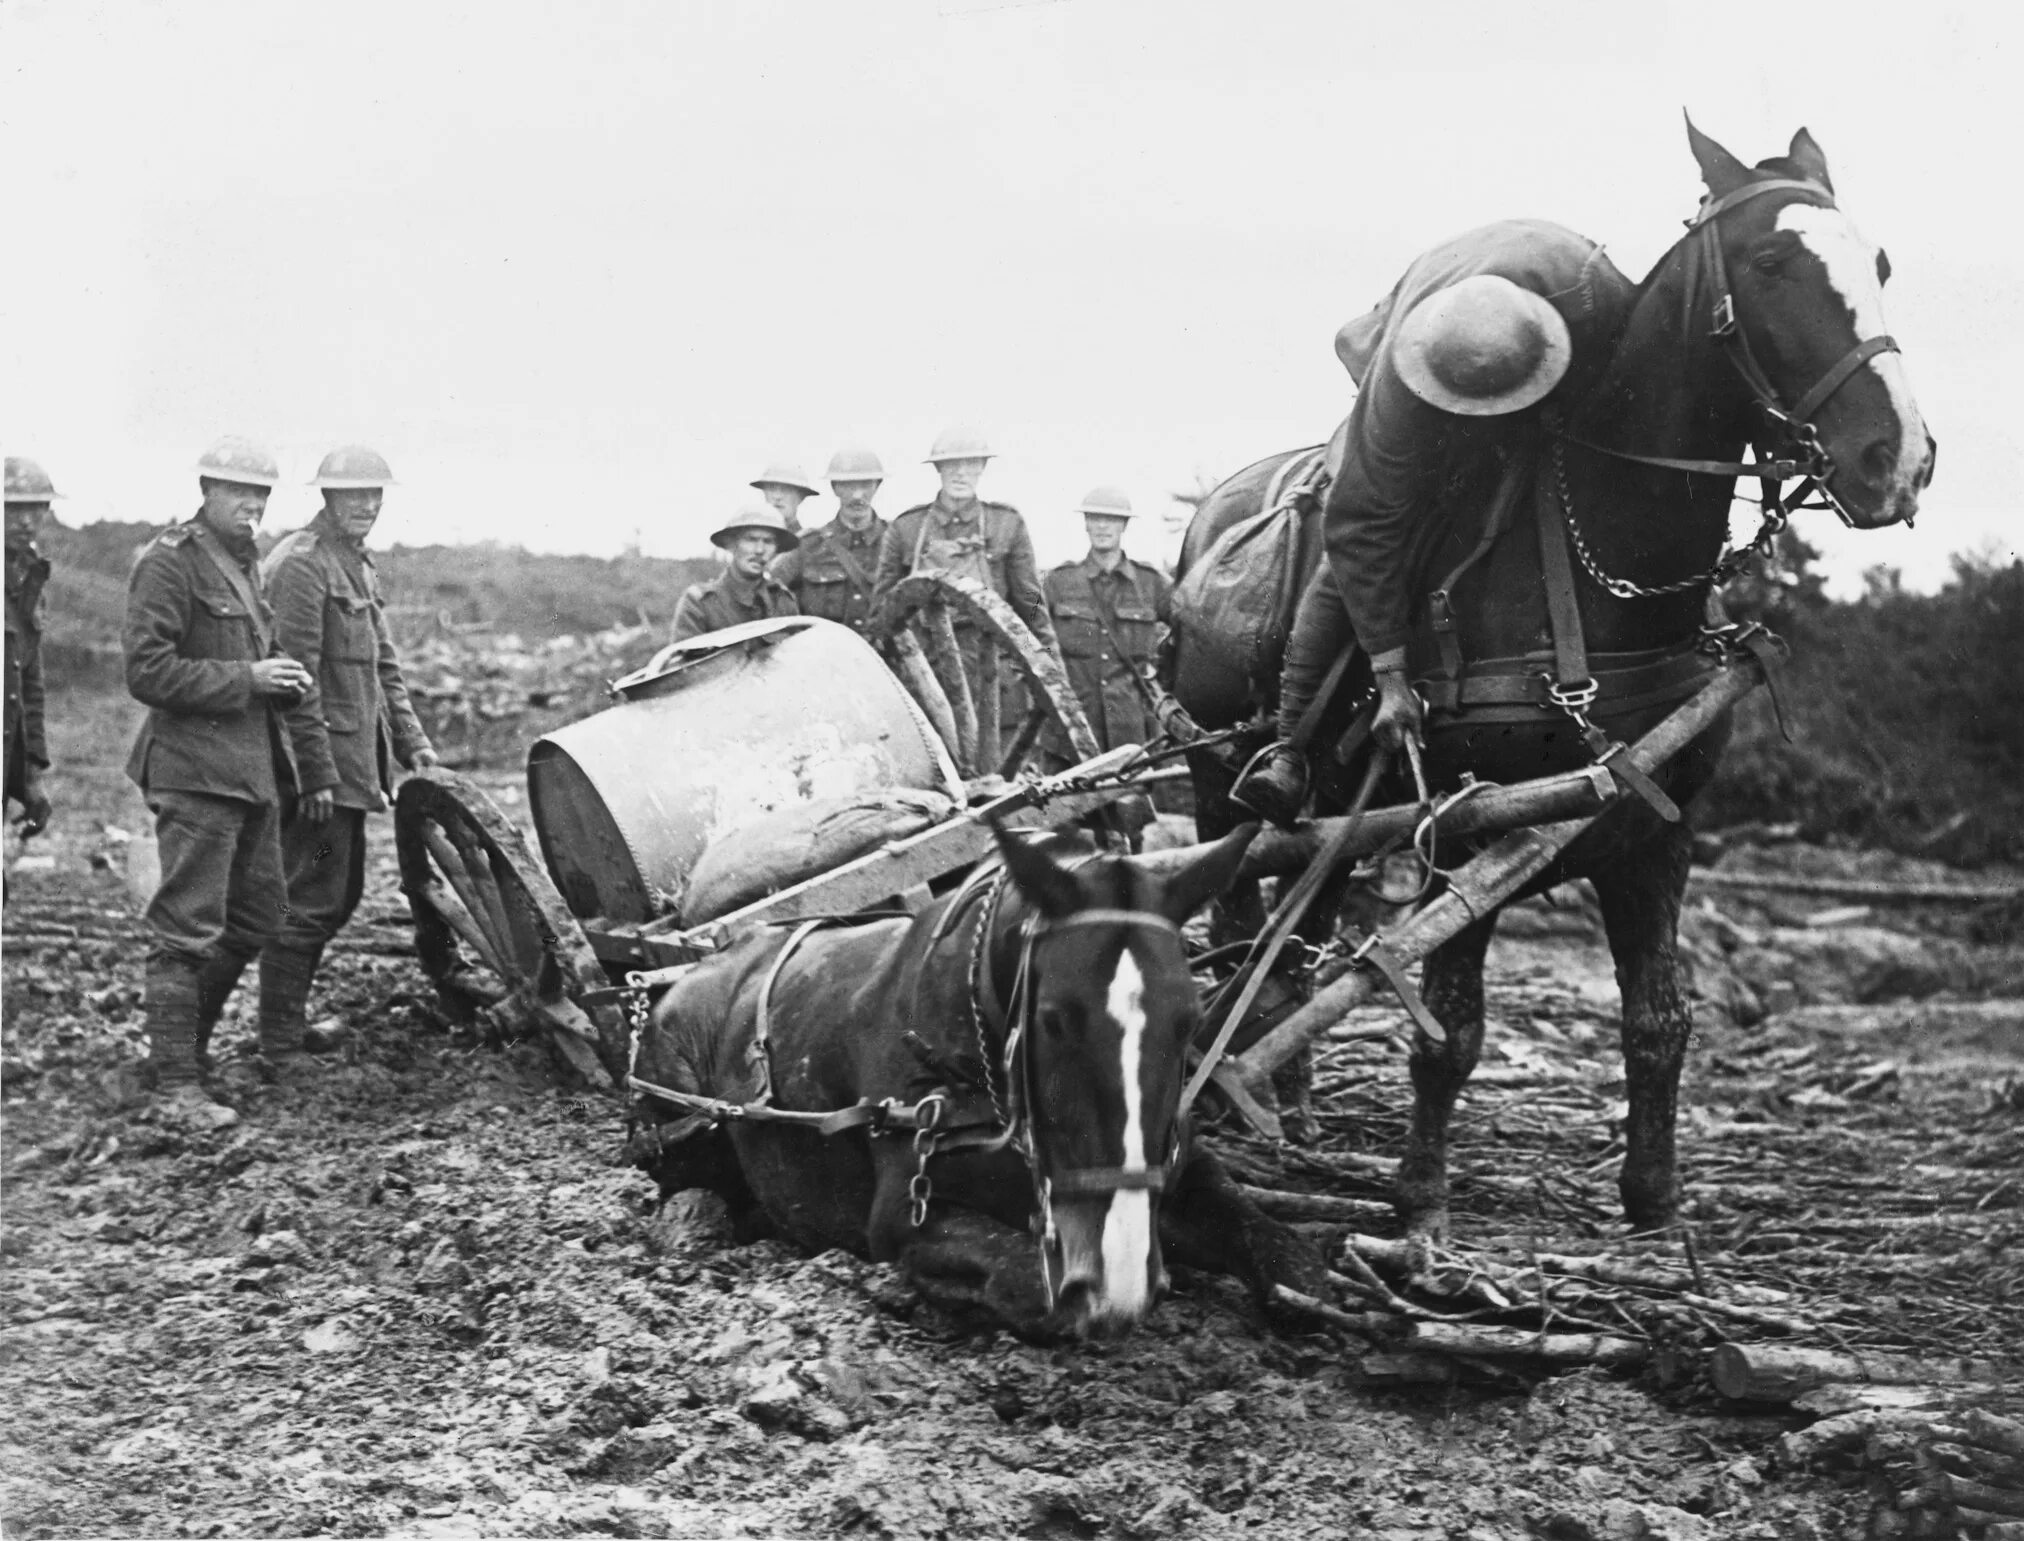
{"x":1805,"y":456}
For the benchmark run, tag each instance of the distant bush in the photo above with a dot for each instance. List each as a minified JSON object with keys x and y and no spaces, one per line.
{"x":1907,"y":714}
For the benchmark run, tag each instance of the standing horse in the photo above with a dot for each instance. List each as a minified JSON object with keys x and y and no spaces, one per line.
{"x":941,"y":1090}
{"x":1763,"y":325}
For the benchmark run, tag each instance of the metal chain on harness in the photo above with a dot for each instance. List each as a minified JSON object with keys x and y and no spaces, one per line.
{"x":1726,"y":567}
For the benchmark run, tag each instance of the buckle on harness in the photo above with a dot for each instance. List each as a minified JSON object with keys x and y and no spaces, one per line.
{"x":1724,"y":317}
{"x":1575,"y":700}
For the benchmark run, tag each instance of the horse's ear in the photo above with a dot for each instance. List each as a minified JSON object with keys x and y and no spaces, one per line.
{"x":1719,"y":169}
{"x":1206,"y":876}
{"x":1048,"y":886}
{"x":1811,"y":160}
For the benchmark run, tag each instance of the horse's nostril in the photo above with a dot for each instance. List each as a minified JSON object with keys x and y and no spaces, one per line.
{"x":1879,"y":459}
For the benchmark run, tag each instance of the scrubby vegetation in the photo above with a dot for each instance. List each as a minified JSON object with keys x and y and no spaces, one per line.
{"x":1906,"y":713}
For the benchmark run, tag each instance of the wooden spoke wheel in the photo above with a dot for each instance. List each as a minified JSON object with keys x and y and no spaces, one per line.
{"x":493,"y":935}
{"x":962,"y":696}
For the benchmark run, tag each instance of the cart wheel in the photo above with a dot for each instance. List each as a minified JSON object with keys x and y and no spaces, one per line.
{"x":927,"y":603}
{"x":492,"y":933}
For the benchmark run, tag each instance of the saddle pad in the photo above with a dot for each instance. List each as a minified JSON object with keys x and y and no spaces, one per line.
{"x":799,"y":842}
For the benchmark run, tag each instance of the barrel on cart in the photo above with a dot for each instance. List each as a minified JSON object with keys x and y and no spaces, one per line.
{"x":753,"y":774}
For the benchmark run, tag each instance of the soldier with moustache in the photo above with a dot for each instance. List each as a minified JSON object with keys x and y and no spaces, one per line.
{"x":212,"y":759}
{"x":832,"y":571}
{"x":348,"y":733}
{"x":29,"y":494}
{"x":743,"y":592}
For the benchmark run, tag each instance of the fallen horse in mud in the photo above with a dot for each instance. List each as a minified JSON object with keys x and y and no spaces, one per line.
{"x":987,"y":1092}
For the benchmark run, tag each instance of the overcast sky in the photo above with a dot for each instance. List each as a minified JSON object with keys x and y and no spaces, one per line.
{"x":579,"y":268}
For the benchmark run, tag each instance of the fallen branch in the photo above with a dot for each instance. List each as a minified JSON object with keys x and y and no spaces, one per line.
{"x":1363,"y":1323}
{"x":1543,"y":1348}
{"x":1315,"y":1206}
{"x":1856,"y":888}
{"x":1756,"y":1372}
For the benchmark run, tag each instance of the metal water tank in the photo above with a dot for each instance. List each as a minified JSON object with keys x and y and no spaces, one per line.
{"x":716,"y":733}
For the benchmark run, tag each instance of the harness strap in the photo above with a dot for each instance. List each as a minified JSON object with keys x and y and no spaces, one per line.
{"x":1832,"y":381}
{"x":757,"y":1055}
{"x":1523,"y":682}
{"x":1100,"y":1180}
{"x":1563,"y":611}
{"x":929,"y":1113}
{"x":1440,"y":605}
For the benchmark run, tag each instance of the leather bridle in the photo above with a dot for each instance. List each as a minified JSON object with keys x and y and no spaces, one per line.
{"x":1015,"y":1018}
{"x":1798,"y":452}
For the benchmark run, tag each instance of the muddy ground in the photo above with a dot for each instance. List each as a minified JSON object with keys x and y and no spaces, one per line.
{"x":421,"y":1298}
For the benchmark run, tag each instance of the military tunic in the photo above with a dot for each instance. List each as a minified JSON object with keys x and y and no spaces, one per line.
{"x":832,"y":572}
{"x":211,"y":757}
{"x":1132,"y":597}
{"x":26,"y":745}
{"x":349,"y":731}
{"x":730,"y":600}
{"x":985,"y":541}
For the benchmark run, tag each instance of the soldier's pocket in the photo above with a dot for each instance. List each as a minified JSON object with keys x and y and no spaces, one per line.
{"x":220,"y":628}
{"x":1138,"y":628}
{"x":1080,"y":631}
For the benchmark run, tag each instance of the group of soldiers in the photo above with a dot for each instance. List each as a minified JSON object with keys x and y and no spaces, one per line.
{"x":1101,"y":614}
{"x":276,"y":714}
{"x":277,"y":710}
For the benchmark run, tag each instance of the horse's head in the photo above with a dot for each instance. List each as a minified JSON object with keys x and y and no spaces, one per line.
{"x":1109,"y":1009}
{"x":1808,"y":297}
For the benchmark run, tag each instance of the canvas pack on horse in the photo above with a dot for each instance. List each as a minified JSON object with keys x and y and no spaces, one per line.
{"x":942,"y":1089}
{"x":1560,"y":558}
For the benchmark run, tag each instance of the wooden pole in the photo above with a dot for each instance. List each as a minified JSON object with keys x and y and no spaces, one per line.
{"x":1276,"y":852}
{"x":1484,"y":884}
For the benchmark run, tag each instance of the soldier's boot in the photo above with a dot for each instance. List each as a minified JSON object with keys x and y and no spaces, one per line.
{"x":285,"y":977}
{"x":216,"y":981}
{"x":170,"y":997}
{"x":1274,"y":784}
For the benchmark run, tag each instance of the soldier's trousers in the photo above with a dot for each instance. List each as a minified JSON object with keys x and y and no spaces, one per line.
{"x":325,"y":867}
{"x":1321,"y":633}
{"x":222,"y":891}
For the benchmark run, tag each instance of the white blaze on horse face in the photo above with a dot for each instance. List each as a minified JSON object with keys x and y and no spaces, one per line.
{"x":1850,"y":264}
{"x":1127,"y":1225}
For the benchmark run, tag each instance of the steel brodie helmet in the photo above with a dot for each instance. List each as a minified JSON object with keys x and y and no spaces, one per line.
{"x":960,"y":444}
{"x":27,"y":482}
{"x":1110,"y":502}
{"x":1482,"y":347}
{"x":353,"y":465}
{"x":785,"y":473}
{"x":233,"y":459}
{"x":767,"y":519}
{"x":854,"y":465}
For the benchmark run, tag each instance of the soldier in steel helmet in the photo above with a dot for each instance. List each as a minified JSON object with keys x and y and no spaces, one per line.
{"x":785,"y":487}
{"x":961,"y":533}
{"x":743,"y":592}
{"x":348,"y":732}
{"x":1109,"y":610}
{"x":29,"y":494}
{"x":1453,"y":367}
{"x":212,"y":759}
{"x":831,"y":573}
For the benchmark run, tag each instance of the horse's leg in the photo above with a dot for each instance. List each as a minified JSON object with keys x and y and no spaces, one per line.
{"x":1641,"y":913}
{"x":1453,"y":989}
{"x":961,"y":1260}
{"x":1207,"y":1223}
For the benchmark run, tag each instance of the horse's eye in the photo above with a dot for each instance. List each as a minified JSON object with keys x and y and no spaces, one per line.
{"x":1770,"y":263}
{"x":1053,"y":1022}
{"x":1882,"y":266}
